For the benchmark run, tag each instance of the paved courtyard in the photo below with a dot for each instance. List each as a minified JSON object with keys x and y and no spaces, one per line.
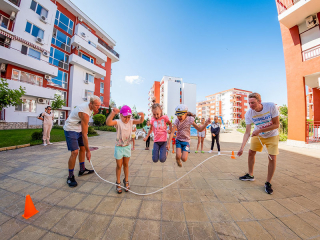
{"x":209,"y":203}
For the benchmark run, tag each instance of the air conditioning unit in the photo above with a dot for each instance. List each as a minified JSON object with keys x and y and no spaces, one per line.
{"x":41,"y":100}
{"x":13,"y":15}
{"x":7,"y":40}
{"x":80,"y":19}
{"x":85,"y":99}
{"x":312,"y":21}
{"x":86,"y":81}
{"x":39,"y":40}
{"x":3,"y":67}
{"x":47,"y":77}
{"x":83,"y":34}
{"x":43,"y":18}
{"x":45,"y":53}
{"x":78,"y":47}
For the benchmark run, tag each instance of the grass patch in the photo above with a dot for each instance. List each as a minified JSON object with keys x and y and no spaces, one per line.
{"x":15,"y":137}
{"x":242,"y":130}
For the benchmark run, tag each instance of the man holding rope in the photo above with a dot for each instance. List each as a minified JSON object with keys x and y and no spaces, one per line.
{"x":265,"y":117}
{"x":76,"y":133}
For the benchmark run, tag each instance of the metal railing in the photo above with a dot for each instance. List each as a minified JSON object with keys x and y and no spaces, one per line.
{"x":15,"y":2}
{"x":283,"y":5}
{"x":109,"y":48}
{"x":311,"y":53}
{"x":313,"y":132}
{"x":3,"y":115}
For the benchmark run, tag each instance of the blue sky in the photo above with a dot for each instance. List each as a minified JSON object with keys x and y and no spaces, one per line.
{"x":215,"y":44}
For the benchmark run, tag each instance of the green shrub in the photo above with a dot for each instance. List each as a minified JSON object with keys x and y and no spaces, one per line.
{"x":36,"y":136}
{"x":107,"y":128}
{"x":99,"y":119}
{"x":91,"y":130}
{"x":283,"y":137}
{"x":243,"y":123}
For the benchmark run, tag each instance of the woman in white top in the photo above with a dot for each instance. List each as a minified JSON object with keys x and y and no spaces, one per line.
{"x":47,"y":118}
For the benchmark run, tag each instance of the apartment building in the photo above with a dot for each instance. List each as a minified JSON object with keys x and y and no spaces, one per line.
{"x":230,"y":104}
{"x":170,"y":92}
{"x":51,"y":47}
{"x":299,"y":24}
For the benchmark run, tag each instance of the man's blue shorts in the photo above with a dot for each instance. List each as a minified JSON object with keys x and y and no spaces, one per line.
{"x":74,"y":140}
{"x":185,"y":146}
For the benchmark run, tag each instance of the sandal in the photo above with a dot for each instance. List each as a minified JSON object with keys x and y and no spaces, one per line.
{"x":118,"y":187}
{"x":126,"y":185}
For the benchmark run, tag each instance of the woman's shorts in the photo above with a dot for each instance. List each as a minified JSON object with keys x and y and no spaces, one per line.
{"x":201,"y":134}
{"x":185,"y":146}
{"x":120,"y":152}
{"x":271,"y":144}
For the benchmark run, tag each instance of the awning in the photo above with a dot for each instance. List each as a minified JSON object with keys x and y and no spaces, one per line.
{"x":30,"y":44}
{"x":7,"y":34}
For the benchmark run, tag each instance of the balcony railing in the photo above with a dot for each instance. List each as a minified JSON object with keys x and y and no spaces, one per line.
{"x":283,"y":5}
{"x":313,"y":132}
{"x":15,"y":2}
{"x":311,"y":53}
{"x":109,"y":48}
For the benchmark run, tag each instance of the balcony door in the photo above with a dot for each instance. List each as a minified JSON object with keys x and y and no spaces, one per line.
{"x":59,"y":117}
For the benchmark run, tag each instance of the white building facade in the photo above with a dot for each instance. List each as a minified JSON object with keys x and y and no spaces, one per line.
{"x":52,"y":47}
{"x":173,"y":91}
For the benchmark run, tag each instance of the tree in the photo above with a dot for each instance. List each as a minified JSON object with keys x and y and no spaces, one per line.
{"x":172,"y":117}
{"x":10,"y":97}
{"x":99,"y":119}
{"x":283,"y":110}
{"x":58,"y":102}
{"x":112,"y":103}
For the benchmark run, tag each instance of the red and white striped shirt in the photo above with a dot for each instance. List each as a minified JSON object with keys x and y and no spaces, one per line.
{"x":183,"y":129}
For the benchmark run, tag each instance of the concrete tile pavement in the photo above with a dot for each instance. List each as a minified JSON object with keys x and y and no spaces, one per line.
{"x":209,"y":203}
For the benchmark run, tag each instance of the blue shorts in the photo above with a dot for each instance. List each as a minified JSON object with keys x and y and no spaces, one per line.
{"x":120,"y":152}
{"x":74,"y":140}
{"x":185,"y":146}
{"x":159,"y":152}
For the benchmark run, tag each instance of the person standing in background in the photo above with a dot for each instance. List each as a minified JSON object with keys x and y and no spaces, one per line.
{"x":47,"y":118}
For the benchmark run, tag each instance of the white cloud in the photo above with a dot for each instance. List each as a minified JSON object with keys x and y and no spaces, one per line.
{"x":134,"y":79}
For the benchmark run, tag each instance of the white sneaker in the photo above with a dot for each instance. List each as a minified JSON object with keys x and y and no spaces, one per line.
{"x":219,"y":153}
{"x":49,"y":143}
{"x":44,"y":144}
{"x":210,"y":151}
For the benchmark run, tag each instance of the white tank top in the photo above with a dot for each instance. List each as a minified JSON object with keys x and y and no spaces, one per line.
{"x":73,"y":122}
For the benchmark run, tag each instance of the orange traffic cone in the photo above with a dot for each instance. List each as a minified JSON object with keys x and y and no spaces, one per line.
{"x":232,"y":155}
{"x":29,"y":208}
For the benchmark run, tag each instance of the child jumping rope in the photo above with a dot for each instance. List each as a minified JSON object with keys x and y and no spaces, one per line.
{"x":201,"y":136}
{"x":122,"y":151}
{"x":159,"y":127}
{"x":182,"y":125}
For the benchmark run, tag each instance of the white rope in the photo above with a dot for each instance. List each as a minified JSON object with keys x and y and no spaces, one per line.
{"x":145,"y":194}
{"x":265,"y":149}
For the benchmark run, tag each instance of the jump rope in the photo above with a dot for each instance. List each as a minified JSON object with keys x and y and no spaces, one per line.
{"x":146,"y":194}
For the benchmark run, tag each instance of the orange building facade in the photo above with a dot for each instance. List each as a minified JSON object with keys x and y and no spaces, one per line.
{"x":299,"y":24}
{"x":231,"y":105}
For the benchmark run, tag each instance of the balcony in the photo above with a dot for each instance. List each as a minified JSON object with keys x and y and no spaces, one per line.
{"x":311,"y":53}
{"x":97,"y":71}
{"x":32,"y":89}
{"x":9,"y":6}
{"x":108,"y":51}
{"x":13,"y":56}
{"x":294,"y":12}
{"x":79,"y":41}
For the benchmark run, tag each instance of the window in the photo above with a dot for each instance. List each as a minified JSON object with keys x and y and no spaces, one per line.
{"x":27,"y":77}
{"x":34,"y":30}
{"x":102,"y":78}
{"x":85,"y":57}
{"x":59,"y":59}
{"x":63,"y":95}
{"x":38,"y":9}
{"x":88,"y":94}
{"x":64,"y":22}
{"x":30,"y":52}
{"x":61,"y":80}
{"x":101,"y":99}
{"x":60,"y":40}
{"x":217,"y":109}
{"x":28,"y":105}
{"x":89,"y":78}
{"x":101,"y":88}
{"x":4,"y":21}
{"x":103,"y":64}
